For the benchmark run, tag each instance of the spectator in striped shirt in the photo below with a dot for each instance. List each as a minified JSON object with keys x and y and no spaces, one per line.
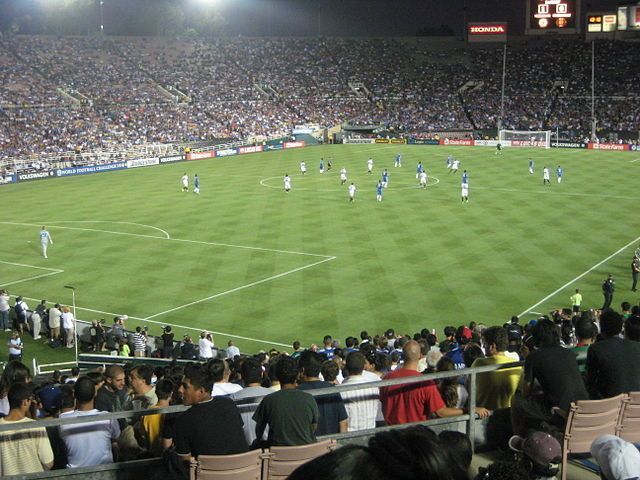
{"x":23,"y":451}
{"x":139,"y":342}
{"x":363,"y":406}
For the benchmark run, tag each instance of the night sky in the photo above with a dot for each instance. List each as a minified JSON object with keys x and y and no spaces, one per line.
{"x":324,"y":17}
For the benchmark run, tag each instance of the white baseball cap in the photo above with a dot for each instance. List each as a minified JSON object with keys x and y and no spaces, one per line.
{"x":618,"y":459}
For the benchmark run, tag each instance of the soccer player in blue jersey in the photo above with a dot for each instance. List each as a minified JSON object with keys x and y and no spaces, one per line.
{"x":45,"y":240}
{"x":398,"y":162}
{"x":196,"y":184}
{"x":379,"y":188}
{"x":385,"y":178}
{"x":531,"y":165}
{"x":559,"y":173}
{"x":465,"y":187}
{"x":419,"y":169}
{"x":449,"y":162}
{"x":498,"y":148}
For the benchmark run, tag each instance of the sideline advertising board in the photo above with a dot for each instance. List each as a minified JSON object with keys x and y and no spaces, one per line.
{"x":64,"y":172}
{"x":24,"y":177}
{"x":609,"y":146}
{"x":143,"y":162}
{"x":201,"y":155}
{"x":172,"y":159}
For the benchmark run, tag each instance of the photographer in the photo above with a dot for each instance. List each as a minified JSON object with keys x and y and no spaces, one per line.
{"x":205,"y":347}
{"x":167,"y":342}
{"x":97,"y":335}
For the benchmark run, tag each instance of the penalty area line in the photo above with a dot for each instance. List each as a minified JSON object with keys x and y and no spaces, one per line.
{"x":580,"y":276}
{"x":242,"y":287}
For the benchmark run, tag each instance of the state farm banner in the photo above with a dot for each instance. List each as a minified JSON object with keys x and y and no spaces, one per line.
{"x":487,"y":32}
{"x":293,"y":144}
{"x":609,"y":146}
{"x":462,"y":142}
{"x":252,"y":149}
{"x":201,"y":155}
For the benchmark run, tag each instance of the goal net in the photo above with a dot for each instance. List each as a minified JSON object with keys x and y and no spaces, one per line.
{"x":526,"y":138}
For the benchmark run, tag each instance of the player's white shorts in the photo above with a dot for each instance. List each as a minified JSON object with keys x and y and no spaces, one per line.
{"x":423,"y":181}
{"x":465,"y":191}
{"x":343,"y":177}
{"x":384,"y":184}
{"x":303,"y":169}
{"x":287,"y":185}
{"x":185,"y":184}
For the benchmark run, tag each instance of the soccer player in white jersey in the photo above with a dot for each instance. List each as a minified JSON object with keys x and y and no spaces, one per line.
{"x":185,"y":182}
{"x":287,"y":182}
{"x":454,"y":166}
{"x":423,"y":179}
{"x":45,"y":240}
{"x":352,"y":192}
{"x":343,"y":176}
{"x":303,"y":167}
{"x":370,"y":166}
{"x":196,"y":184}
{"x":545,"y":176}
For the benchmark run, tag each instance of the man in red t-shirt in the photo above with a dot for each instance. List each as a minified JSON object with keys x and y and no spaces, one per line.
{"x":415,"y":402}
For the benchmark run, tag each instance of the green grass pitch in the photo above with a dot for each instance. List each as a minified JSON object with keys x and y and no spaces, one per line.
{"x":264,"y":267}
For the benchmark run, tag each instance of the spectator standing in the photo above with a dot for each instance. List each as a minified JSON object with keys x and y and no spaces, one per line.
{"x":90,"y":443}
{"x":139,"y":342}
{"x":635,"y":272}
{"x":23,"y":451}
{"x":576,"y":300}
{"x":16,"y":346}
{"x":68,"y":324}
{"x":112,"y":396}
{"x":55,"y":315}
{"x":212,"y":426}
{"x":608,"y":287}
{"x":4,"y":311}
{"x":608,"y":360}
{"x":187,"y":349}
{"x":232,"y":350}
{"x":167,"y":342}
{"x":36,"y":324}
{"x":362,"y":405}
{"x":291,"y":414}
{"x":495,"y":390}
{"x":205,"y":347}
{"x":333,"y":414}
{"x":21,"y":310}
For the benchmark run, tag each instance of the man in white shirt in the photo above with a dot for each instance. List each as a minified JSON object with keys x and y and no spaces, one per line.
{"x":362,"y":405}
{"x":205,"y":347}
{"x":88,"y":444}
{"x":4,"y":311}
{"x":55,"y":315}
{"x":185,"y":182}
{"x":232,"y":350}
{"x":45,"y":240}
{"x":352,"y":192}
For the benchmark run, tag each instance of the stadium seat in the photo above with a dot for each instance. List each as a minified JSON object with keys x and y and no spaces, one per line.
{"x":630,"y":418}
{"x":282,"y":461}
{"x":243,"y":466}
{"x":587,"y":420}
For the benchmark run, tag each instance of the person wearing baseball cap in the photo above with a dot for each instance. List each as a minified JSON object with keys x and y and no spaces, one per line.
{"x":618,"y":459}
{"x":539,"y":452}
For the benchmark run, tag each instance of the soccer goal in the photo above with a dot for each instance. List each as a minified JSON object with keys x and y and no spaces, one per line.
{"x":526,"y":138}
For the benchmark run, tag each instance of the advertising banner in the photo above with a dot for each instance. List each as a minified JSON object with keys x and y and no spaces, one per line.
{"x":358,"y":140}
{"x":609,"y":146}
{"x":635,"y":148}
{"x":143,"y":162}
{"x":172,"y":159}
{"x":568,"y":145}
{"x":382,"y":140}
{"x":485,"y":143}
{"x":423,"y":141}
{"x":201,"y":155}
{"x":398,"y":140}
{"x":458,"y":142}
{"x":253,"y":149}
{"x":227,"y":152}
{"x":64,"y":172}
{"x":7,"y":178}
{"x":487,"y":32}
{"x":24,"y":177}
{"x":527,"y":143}
{"x":274,"y":146}
{"x":293,"y":144}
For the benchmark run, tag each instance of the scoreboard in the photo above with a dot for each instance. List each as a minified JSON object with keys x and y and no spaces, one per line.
{"x":552,"y":16}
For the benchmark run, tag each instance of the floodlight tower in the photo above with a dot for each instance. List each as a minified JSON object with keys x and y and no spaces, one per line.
{"x":101,"y":17}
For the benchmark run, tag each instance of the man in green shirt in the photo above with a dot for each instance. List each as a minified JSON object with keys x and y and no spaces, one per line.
{"x":496,"y":389}
{"x":291,"y":414}
{"x":576,"y":300}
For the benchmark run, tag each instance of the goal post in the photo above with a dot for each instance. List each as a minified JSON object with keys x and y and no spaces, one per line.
{"x":525,"y":138}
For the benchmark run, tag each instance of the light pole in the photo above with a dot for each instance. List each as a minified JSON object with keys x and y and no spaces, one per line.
{"x":75,"y":319}
{"x":102,"y":18}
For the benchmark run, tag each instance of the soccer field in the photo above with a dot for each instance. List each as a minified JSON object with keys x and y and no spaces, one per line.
{"x":250,"y":262}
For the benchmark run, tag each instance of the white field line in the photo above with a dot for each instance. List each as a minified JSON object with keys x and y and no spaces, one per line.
{"x":243,"y":287}
{"x":52,"y":271}
{"x":167,"y":236}
{"x":111,"y":314}
{"x":580,"y":276}
{"x":202,"y":242}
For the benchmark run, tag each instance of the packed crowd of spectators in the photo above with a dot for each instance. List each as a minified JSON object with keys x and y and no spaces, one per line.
{"x":116,"y":91}
{"x":262,"y":400}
